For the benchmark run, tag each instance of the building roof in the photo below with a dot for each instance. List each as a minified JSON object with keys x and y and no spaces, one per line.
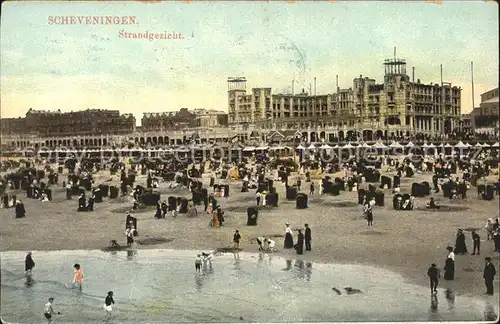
{"x":491,"y":100}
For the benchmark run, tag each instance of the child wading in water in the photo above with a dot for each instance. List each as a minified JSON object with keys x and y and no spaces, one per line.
{"x":78,"y":278}
{"x":48,"y":311}
{"x":108,"y":302}
{"x":197,"y":263}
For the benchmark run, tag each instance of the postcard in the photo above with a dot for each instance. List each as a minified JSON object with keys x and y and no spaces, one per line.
{"x":249,"y":161}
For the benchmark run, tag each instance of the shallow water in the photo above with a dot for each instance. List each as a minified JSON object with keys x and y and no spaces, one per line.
{"x":162,"y":286}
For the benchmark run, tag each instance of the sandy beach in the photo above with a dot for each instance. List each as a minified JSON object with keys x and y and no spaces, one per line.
{"x":406,"y":242}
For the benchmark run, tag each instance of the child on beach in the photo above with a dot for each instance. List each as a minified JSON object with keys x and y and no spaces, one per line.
{"x":108,"y":302}
{"x":48,"y":311}
{"x":207,"y":259}
{"x":197,"y":263}
{"x":78,"y":278}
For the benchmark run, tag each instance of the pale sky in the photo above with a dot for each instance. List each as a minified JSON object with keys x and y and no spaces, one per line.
{"x":73,"y":67}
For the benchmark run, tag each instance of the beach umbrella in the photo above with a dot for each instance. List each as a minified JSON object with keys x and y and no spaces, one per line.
{"x":496,"y":145}
{"x":447,"y":145}
{"x":277,"y":148}
{"x":425,"y":145}
{"x":460,"y":145}
{"x":478,"y":145}
{"x":300,"y":147}
{"x":431,"y":146}
{"x":379,"y":145}
{"x":485,"y":145}
{"x":311,"y":147}
{"x":348,"y":146}
{"x":410,"y":144}
{"x":395,"y":145}
{"x":262,"y":148}
{"x":182,"y":149}
{"x":336,"y":146}
{"x":249,"y":149}
{"x":365,"y":145}
{"x":325,"y":147}
{"x":468,"y":145}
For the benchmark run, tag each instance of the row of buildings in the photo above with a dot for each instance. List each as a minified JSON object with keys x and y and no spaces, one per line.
{"x":399,"y":106}
{"x":486,"y":117}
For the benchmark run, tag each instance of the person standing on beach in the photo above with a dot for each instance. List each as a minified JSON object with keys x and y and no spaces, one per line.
{"x":78,"y":277}
{"x":108,"y":302}
{"x":29,"y":264}
{"x":477,"y":242}
{"x":288,"y":244}
{"x":48,"y":310}
{"x":311,"y":189}
{"x":433,"y":274}
{"x":449,"y":268}
{"x":307,"y":237}
{"x":489,"y":275}
{"x":258,"y":196}
{"x":129,"y":233}
{"x":460,"y":247}
{"x":300,"y":243}
{"x":236,"y":240}
{"x":369,"y":213}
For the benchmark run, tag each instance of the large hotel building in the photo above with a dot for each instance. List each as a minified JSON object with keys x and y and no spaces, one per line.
{"x":398,"y":106}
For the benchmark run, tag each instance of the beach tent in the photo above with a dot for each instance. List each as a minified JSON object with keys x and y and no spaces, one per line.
{"x":325,"y":147}
{"x":460,"y":145}
{"x":410,"y":144}
{"x":182,"y":149}
{"x":395,"y":145}
{"x":379,"y":145}
{"x":300,"y":147}
{"x":249,"y":149}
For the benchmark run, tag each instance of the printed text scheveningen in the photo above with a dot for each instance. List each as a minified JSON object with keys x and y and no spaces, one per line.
{"x":92,"y":20}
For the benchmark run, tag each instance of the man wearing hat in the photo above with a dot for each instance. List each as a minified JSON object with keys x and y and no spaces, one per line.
{"x":489,"y":275}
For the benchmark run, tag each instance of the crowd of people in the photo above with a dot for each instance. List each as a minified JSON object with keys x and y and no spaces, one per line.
{"x":252,"y":176}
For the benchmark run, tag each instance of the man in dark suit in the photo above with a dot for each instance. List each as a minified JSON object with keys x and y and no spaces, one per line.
{"x":489,"y":275}
{"x":307,"y":237}
{"x":433,"y":274}
{"x":477,"y":243}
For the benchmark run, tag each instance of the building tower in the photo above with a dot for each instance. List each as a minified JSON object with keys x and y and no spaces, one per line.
{"x":395,"y":83}
{"x":236,"y":87}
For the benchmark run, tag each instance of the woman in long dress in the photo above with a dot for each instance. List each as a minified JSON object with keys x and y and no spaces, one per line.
{"x":288,"y":237}
{"x":29,"y":264}
{"x":460,"y":247}
{"x":449,"y":267}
